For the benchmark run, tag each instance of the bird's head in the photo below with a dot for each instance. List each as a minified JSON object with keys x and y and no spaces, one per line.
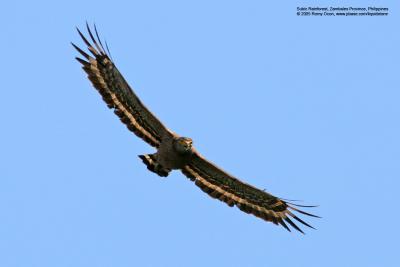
{"x":183,"y":145}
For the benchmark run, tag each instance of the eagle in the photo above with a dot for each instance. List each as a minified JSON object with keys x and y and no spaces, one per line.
{"x":175,"y":152}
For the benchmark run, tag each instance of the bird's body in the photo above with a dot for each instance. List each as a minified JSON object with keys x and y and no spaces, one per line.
{"x":175,"y":152}
{"x":169,"y":156}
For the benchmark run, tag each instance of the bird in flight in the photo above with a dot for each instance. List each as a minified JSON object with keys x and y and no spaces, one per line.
{"x":175,"y":152}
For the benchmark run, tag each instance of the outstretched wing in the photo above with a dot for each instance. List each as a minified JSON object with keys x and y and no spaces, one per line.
{"x":218,"y":184}
{"x":118,"y":95}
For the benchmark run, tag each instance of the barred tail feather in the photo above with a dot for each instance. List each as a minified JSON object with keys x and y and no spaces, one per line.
{"x":152,"y":165}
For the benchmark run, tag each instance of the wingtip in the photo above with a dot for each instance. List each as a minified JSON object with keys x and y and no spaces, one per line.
{"x":281,"y":222}
{"x":287,"y":219}
{"x":83,"y":62}
{"x":303,"y":212}
{"x":83,"y":53}
{"x":303,"y":206}
{"x":79,"y":31}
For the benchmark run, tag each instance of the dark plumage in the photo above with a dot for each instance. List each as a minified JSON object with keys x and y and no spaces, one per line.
{"x":173,"y":151}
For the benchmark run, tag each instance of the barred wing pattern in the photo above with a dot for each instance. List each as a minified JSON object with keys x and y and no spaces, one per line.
{"x":218,"y":184}
{"x":118,"y":95}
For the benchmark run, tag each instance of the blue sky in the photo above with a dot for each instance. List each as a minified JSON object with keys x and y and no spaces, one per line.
{"x":305,"y":107}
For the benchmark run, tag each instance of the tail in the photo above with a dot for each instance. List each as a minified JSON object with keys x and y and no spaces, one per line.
{"x":152,"y":165}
